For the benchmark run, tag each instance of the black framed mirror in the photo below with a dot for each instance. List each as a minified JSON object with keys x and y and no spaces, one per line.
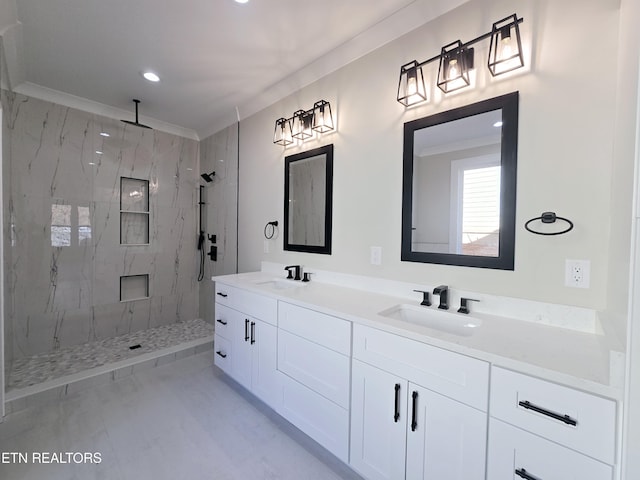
{"x":459,"y":185}
{"x":308,"y":191}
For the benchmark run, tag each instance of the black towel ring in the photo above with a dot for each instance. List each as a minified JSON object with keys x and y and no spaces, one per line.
{"x":549,"y":217}
{"x":270,"y":232}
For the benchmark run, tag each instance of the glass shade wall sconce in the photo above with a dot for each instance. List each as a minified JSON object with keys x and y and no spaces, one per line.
{"x":303,"y":124}
{"x":456,"y":60}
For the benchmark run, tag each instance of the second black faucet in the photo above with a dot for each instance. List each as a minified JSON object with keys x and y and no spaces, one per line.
{"x":297,"y":269}
{"x":443,"y":291}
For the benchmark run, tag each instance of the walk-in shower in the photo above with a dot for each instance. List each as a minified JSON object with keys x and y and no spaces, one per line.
{"x":73,"y":184}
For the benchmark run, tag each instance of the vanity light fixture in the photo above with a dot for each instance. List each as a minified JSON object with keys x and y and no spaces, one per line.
{"x":303,"y":124}
{"x":322,"y":119}
{"x":505,"y":52}
{"x":456,"y":61}
{"x":411,"y":85}
{"x":282,"y":135}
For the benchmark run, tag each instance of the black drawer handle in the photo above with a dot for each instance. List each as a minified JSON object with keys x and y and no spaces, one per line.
{"x":221,"y":321}
{"x":253,"y":333}
{"x":223,"y":355}
{"x":396,"y":414}
{"x":246,"y":329}
{"x":522,"y":473}
{"x":414,"y":419}
{"x":556,"y":416}
{"x":223,"y":295}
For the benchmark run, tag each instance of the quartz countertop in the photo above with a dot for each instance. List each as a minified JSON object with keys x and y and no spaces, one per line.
{"x":576,"y":359}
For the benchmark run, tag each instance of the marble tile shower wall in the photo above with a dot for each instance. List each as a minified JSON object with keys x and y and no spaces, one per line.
{"x":64,"y":210}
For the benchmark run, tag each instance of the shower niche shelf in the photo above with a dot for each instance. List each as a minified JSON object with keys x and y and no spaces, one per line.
{"x":134,"y":211}
{"x":134,"y":287}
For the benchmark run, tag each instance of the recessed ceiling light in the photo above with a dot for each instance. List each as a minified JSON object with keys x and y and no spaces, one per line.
{"x":152,"y":77}
{"x":98,"y":152}
{"x":498,"y":123}
{"x":104,"y":134}
{"x":242,"y":1}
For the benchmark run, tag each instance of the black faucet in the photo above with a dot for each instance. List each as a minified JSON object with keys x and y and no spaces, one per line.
{"x":464,"y":305}
{"x":297,"y":269}
{"x":443,"y":291}
{"x":425,"y":298}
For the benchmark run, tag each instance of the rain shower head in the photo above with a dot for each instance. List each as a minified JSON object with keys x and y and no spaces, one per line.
{"x":136,"y":123}
{"x":208,"y":177}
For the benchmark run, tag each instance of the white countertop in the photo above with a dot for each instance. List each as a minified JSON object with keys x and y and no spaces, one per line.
{"x":576,"y":359}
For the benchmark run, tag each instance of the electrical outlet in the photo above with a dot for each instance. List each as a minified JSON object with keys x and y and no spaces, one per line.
{"x":577,"y":273}
{"x":376,"y":255}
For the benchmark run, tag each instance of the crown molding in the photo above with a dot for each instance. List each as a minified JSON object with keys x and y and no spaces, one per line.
{"x":86,"y":105}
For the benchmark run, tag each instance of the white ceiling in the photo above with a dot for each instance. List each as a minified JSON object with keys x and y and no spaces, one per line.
{"x":212,"y":55}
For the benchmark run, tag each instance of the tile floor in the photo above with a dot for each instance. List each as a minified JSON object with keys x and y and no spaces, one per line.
{"x":183,"y":420}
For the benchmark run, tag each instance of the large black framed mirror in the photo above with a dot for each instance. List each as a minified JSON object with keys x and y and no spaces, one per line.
{"x":459,"y":185}
{"x":308,"y":187}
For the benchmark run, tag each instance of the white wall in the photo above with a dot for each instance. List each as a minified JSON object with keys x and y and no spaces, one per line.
{"x":565,"y":162}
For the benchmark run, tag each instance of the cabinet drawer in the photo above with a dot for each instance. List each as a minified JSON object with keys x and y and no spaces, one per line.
{"x":322,"y":370}
{"x":222,"y":325}
{"x":225,"y":295}
{"x":253,"y":304}
{"x":222,"y":355}
{"x":456,"y":376}
{"x":322,"y":420}
{"x":549,"y":403}
{"x":512,"y":449}
{"x":326,"y":330}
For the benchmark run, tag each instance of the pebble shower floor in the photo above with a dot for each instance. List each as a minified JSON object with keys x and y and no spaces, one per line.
{"x":40,"y":368}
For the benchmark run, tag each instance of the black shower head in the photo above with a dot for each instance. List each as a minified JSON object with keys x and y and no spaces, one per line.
{"x":208,"y":177}
{"x":136,"y":123}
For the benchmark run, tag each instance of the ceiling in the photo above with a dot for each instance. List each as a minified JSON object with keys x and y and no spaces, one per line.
{"x":217,"y":59}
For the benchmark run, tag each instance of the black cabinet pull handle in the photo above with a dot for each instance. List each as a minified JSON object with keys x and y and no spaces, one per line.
{"x":414,"y":420}
{"x":223,"y":355}
{"x":253,"y":333}
{"x":522,"y":473}
{"x":396,"y":415}
{"x":556,"y":416}
{"x":219,"y":320}
{"x":246,"y":329}
{"x":223,"y":295}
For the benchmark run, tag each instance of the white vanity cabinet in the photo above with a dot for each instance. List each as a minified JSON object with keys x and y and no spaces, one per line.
{"x":400,"y":427}
{"x":245,"y":340}
{"x":542,"y":430}
{"x":314,"y":366}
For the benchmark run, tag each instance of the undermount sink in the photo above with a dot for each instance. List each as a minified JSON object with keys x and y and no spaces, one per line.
{"x":281,"y":283}
{"x":446,"y":321}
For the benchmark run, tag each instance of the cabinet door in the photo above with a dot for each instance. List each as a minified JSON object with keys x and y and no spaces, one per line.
{"x":241,"y":348}
{"x":262,"y":338}
{"x":445,"y":438}
{"x":378,"y":423}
